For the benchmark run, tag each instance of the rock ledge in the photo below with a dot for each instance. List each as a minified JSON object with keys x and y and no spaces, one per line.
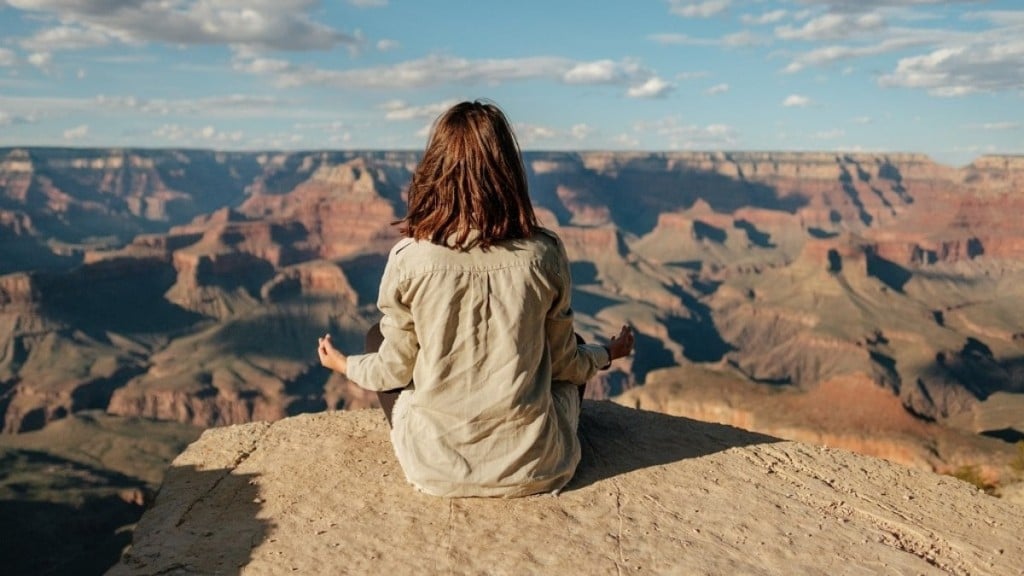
{"x":323,"y":494}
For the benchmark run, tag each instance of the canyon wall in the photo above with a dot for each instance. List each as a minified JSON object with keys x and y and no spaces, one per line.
{"x":192,"y":285}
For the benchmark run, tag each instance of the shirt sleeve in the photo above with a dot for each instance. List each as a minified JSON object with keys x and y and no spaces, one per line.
{"x":570,"y":361}
{"x":391,"y":367}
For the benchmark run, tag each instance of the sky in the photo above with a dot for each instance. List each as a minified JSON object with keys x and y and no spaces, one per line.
{"x":940,"y":78}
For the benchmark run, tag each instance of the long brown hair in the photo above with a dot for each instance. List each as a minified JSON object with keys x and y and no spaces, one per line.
{"x":471,"y":179}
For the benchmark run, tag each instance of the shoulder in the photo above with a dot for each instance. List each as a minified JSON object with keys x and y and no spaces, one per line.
{"x":546,"y":239}
{"x":547,"y":233}
{"x":397,"y":257}
{"x":401,"y":245}
{"x":551,"y":241}
{"x":410,"y":257}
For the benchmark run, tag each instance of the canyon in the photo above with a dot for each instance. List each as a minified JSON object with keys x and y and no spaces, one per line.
{"x":861,"y":301}
{"x":187,"y":286}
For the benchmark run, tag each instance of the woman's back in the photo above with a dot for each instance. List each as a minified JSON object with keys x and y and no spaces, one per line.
{"x":481,"y":418}
{"x":477,"y":328}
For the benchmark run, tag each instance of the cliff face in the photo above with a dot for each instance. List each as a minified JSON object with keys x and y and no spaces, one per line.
{"x":322,"y":494}
{"x":89,"y":198}
{"x":70,"y":494}
{"x":190,"y":285}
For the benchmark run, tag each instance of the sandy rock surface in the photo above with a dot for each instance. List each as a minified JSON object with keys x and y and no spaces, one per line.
{"x":655,"y":494}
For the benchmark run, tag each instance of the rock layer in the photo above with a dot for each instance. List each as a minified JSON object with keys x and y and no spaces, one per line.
{"x":189,"y":284}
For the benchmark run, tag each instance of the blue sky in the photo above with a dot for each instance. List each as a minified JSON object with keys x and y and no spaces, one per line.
{"x":941,"y":78}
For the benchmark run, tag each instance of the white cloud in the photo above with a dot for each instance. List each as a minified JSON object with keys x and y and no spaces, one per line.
{"x":580,"y":131}
{"x":743,"y":38}
{"x":272,"y":24}
{"x":140,"y":112}
{"x":399,"y":110}
{"x":387,"y":45}
{"x":77,"y":133}
{"x":206,"y":135}
{"x":680,"y":136}
{"x":833,"y":26}
{"x":330,"y":127}
{"x":834,"y":53}
{"x":41,"y":60}
{"x":171,"y":132}
{"x":436,"y":70}
{"x":604,"y":72}
{"x":7,"y":58}
{"x":951,"y":61}
{"x":766,"y":18}
{"x":717,"y":89}
{"x":427,"y":71}
{"x":234,"y":105}
{"x":66,"y":38}
{"x":705,"y":9}
{"x":739,"y":39}
{"x":273,"y":141}
{"x":998,"y":17}
{"x":531,"y":133}
{"x":796,"y":100}
{"x":991,"y":65}
{"x":7,"y":119}
{"x":829,"y":134}
{"x":626,"y":141}
{"x":863,"y":120}
{"x":654,"y":87}
{"x":869,"y":5}
{"x":32,"y":109}
{"x":342,"y":139}
{"x":1000,"y":126}
{"x":263,"y":66}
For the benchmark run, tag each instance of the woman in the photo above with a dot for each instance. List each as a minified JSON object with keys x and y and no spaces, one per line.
{"x":477,"y":330}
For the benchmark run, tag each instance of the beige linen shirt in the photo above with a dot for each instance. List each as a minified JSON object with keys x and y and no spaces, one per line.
{"x":486,"y":337}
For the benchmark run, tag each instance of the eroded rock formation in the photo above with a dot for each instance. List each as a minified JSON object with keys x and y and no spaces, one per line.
{"x":189,"y":285}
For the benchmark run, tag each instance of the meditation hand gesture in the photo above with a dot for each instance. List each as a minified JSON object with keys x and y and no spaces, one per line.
{"x":621,"y":345}
{"x":330,"y":356}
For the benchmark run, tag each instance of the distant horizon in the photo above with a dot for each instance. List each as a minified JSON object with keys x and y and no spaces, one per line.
{"x":940,"y":77}
{"x":870,"y":153}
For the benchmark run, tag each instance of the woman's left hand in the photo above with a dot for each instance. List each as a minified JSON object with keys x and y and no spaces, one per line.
{"x":330,"y":356}
{"x":621,"y":345}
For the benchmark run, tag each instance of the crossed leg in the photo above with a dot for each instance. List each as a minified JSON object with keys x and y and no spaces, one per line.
{"x":387,"y":398}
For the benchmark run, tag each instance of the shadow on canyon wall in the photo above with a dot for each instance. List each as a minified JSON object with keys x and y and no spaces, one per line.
{"x":106,"y":297}
{"x":663,"y":190}
{"x":975,"y":369}
{"x":59,"y":517}
{"x":639,"y":212}
{"x":364,"y":273}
